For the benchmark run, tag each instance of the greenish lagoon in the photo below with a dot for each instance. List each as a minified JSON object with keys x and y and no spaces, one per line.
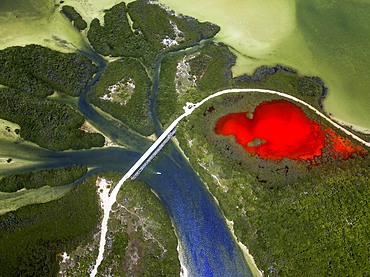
{"x":328,"y":39}
{"x":37,"y":22}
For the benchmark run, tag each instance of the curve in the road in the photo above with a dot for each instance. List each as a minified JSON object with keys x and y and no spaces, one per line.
{"x":188,"y":109}
{"x":238,"y":90}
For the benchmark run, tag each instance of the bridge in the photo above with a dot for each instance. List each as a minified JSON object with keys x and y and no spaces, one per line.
{"x":154,"y":149}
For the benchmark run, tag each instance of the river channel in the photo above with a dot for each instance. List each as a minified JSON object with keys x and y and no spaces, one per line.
{"x":208,"y":247}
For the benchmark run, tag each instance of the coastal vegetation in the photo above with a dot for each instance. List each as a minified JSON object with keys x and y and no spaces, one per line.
{"x":209,"y":67}
{"x":30,"y":74}
{"x":123,"y":91}
{"x":143,"y":30}
{"x":74,"y":17}
{"x":39,"y":178}
{"x":298,"y":218}
{"x":40,"y":71}
{"x":40,"y":119}
{"x":33,"y":238}
{"x":141,"y":237}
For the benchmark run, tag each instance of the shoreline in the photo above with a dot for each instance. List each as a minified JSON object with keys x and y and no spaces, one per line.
{"x":89,"y":128}
{"x":256,"y":272}
{"x":355,"y":128}
{"x":184,"y":272}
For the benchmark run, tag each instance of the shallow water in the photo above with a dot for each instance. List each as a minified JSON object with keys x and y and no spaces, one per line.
{"x":93,"y":8}
{"x":320,"y":38}
{"x":39,"y":22}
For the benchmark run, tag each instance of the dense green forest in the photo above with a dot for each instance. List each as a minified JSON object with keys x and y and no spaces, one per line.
{"x":297,"y":219}
{"x":138,"y":30}
{"x":39,"y":178}
{"x":74,"y":17}
{"x":33,"y":72}
{"x":127,"y":88}
{"x":33,"y":237}
{"x":210,"y":67}
{"x":40,"y":71}
{"x":138,"y":224}
{"x":49,"y":124}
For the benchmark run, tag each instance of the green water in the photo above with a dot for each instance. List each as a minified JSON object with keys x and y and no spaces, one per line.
{"x":329,"y":39}
{"x":39,"y":22}
{"x":90,"y":9}
{"x":15,"y":200}
{"x":21,"y":8}
{"x":338,"y":34}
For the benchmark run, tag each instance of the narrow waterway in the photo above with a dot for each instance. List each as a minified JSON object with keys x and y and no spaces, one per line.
{"x":209,"y":248}
{"x":115,"y":130}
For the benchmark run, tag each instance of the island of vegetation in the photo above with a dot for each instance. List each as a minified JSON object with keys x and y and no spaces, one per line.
{"x":123,"y":91}
{"x":32,"y":73}
{"x":74,"y":17}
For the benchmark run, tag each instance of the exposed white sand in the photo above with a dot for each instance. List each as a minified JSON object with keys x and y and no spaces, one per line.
{"x":248,"y":257}
{"x":65,"y":257}
{"x":184,"y":271}
{"x":106,"y":202}
{"x":103,"y":189}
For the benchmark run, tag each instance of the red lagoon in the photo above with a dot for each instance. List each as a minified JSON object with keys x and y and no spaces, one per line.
{"x":279,"y":129}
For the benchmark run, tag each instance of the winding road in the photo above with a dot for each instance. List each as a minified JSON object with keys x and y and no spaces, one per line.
{"x":188,"y":109}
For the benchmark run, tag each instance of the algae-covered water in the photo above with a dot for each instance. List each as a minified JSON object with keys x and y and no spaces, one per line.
{"x":39,"y":22}
{"x":90,"y":9}
{"x":329,"y":39}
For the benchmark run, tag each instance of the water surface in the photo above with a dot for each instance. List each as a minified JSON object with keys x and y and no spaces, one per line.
{"x":209,"y":248}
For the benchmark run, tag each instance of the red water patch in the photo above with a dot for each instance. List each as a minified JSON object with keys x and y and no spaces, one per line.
{"x":279,"y":129}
